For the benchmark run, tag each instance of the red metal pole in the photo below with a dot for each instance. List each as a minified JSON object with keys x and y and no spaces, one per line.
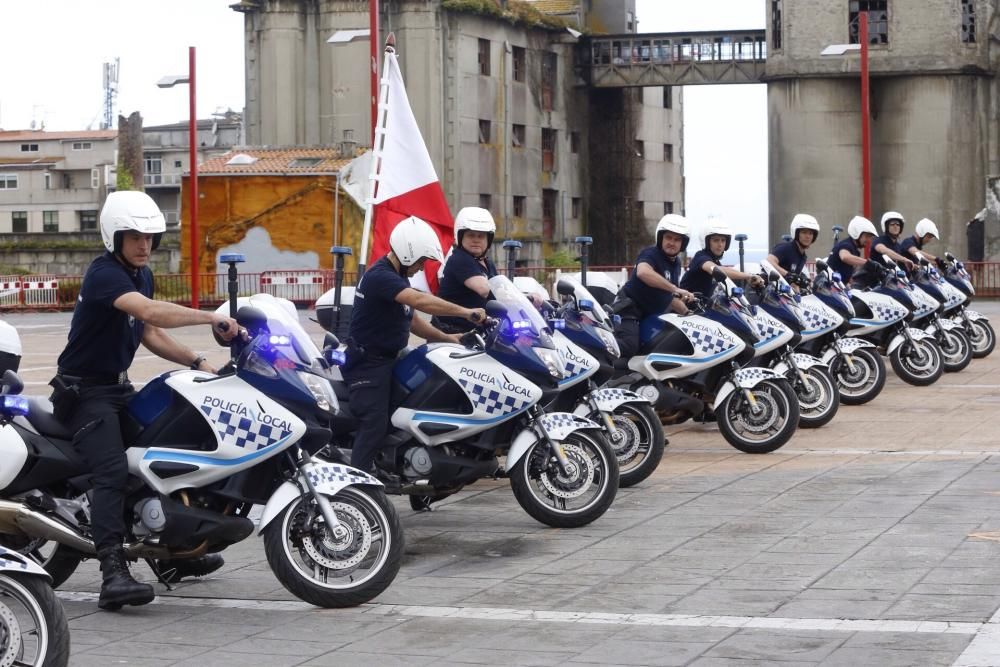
{"x":193,"y":183}
{"x":373,"y":45}
{"x":866,"y":147}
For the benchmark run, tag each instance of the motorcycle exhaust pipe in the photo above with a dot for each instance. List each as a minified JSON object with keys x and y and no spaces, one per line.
{"x":19,"y":519}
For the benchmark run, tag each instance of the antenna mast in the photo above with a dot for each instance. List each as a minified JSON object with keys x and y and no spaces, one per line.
{"x":110,"y":93}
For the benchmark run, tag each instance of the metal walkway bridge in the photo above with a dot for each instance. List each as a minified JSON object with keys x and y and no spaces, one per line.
{"x":674,"y":59}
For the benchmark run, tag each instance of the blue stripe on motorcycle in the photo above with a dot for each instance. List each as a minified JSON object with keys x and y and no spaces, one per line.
{"x":569,"y":379}
{"x":209,"y":460}
{"x":454,"y":419}
{"x":764,"y":342}
{"x":873,"y":322}
{"x":811,"y":332}
{"x":682,"y":360}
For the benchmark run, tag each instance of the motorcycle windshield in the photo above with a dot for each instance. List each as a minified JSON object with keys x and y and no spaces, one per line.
{"x":523,"y":318}
{"x":286,"y":333}
{"x":583,"y":294}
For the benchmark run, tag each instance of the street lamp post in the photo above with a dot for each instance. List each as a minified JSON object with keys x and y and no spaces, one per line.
{"x":866,"y":167}
{"x":170,"y":82}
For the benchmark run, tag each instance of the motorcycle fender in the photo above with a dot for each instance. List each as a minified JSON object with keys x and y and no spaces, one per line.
{"x":11,"y":561}
{"x":557,"y":424}
{"x":745,"y":378}
{"x":328,"y":478}
{"x":947,"y":325}
{"x":850,"y":344}
{"x":973,"y":315}
{"x":898,"y":339}
{"x":607,"y":400}
{"x":803,"y":361}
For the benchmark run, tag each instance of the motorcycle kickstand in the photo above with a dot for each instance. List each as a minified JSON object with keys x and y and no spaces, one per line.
{"x":162,"y":577}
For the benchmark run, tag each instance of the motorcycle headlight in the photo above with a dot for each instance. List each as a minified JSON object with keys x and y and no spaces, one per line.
{"x":610,"y":344}
{"x":321,"y":389}
{"x":552,"y":361}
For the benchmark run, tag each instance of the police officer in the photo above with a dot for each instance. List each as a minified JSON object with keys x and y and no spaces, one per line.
{"x":654,"y":282}
{"x":466,"y":272}
{"x":790,"y":256}
{"x":381,"y":323}
{"x":887,"y":245}
{"x":113,"y":314}
{"x":913,"y":246}
{"x":847,"y":255}
{"x":716,"y":239}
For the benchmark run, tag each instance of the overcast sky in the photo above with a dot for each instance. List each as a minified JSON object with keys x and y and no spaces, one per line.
{"x":56,"y":48}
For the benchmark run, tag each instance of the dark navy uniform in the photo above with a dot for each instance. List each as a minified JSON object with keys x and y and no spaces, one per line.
{"x":839,"y":265}
{"x":696,"y":279}
{"x":651,"y":300}
{"x":789,"y":256}
{"x":888,"y":242}
{"x":907,"y":243}
{"x":102,"y":344}
{"x":460,"y":267}
{"x":380,"y":328}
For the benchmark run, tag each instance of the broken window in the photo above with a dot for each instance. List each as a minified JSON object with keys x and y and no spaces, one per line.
{"x":517,"y":135}
{"x":576,"y":208}
{"x":549,"y":64}
{"x":668,"y":97}
{"x":574,"y":142}
{"x":519,"y":63}
{"x":485,"y":132}
{"x":878,"y":20}
{"x":548,"y":149}
{"x":484,"y":57}
{"x":486,"y":201}
{"x":668,"y":152}
{"x":775,"y":24}
{"x":519,"y":206}
{"x":549,"y":198}
{"x":969,"y":21}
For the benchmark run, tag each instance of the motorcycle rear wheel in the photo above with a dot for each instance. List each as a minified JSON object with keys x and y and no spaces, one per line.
{"x":820,"y":400}
{"x":639,"y":441}
{"x":567,"y":501}
{"x":767,"y":429}
{"x":863,"y":379}
{"x":919,"y":371}
{"x":33,"y":627}
{"x":323,"y":570}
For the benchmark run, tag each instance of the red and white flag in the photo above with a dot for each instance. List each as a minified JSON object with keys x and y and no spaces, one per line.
{"x":407,"y":183}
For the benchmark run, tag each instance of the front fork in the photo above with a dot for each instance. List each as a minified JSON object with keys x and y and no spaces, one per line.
{"x":747,"y":392}
{"x":337,"y":530}
{"x":555,"y":448}
{"x":917,"y":351}
{"x":799,"y":373}
{"x":606,"y":420}
{"x":847,"y":357}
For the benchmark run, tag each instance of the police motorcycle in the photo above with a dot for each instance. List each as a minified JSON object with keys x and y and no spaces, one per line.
{"x":780,"y":323}
{"x":584,"y":335}
{"x":203,"y":450}
{"x":854,"y":363}
{"x":956,"y":348}
{"x":456,"y":409}
{"x":33,"y":627}
{"x":882,"y":316}
{"x":690,"y":364}
{"x":975,"y":325}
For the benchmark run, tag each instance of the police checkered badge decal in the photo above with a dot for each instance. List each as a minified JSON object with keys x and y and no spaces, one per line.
{"x":489,"y":399}
{"x":885,"y":311}
{"x":8,"y":563}
{"x":706,"y":343}
{"x":242,"y":430}
{"x":814,"y":319}
{"x":766,"y":330}
{"x":332,"y":472}
{"x":610,"y":394}
{"x":558,"y":420}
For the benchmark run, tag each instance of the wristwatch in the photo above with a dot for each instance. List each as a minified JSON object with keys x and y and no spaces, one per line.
{"x":197,"y":362}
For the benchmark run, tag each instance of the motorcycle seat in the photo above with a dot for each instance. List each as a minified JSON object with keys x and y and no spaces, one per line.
{"x":40,"y":416}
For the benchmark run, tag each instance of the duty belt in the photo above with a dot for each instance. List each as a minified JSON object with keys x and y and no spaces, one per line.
{"x":95,"y":380}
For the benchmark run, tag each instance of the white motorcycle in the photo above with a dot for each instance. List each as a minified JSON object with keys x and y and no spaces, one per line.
{"x":33,"y":627}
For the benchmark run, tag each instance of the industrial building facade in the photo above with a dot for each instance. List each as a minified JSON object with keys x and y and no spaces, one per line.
{"x":509,"y":123}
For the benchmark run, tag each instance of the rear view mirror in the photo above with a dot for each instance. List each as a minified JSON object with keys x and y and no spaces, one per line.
{"x":565,"y":288}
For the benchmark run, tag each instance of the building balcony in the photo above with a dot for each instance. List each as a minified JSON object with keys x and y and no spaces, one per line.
{"x":162,"y":180}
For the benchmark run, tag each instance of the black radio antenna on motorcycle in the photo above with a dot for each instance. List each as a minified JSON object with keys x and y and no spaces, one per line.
{"x":585,"y":242}
{"x":233,"y":284}
{"x":510,"y":246}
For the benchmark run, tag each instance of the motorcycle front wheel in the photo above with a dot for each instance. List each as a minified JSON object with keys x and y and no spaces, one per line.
{"x":917,"y":363}
{"x":33,"y":627}
{"x":956,"y":349}
{"x":331,"y":570}
{"x":574,"y":498}
{"x":638,"y":441}
{"x":819,"y":398}
{"x":861,"y":379}
{"x":59,"y":560}
{"x":984,"y":339}
{"x":763,"y":425}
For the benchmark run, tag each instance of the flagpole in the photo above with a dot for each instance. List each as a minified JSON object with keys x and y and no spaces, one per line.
{"x":376,"y":162}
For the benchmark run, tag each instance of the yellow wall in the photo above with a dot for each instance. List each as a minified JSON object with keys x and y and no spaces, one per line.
{"x":296,"y":211}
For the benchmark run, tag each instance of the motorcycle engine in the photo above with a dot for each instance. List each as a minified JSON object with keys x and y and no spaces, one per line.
{"x":149,"y":517}
{"x":417,"y":462}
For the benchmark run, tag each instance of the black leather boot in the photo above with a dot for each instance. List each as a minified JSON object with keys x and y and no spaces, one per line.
{"x":118,"y":587}
{"x":172,"y":571}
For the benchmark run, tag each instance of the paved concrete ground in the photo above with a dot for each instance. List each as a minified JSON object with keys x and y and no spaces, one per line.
{"x":871,"y":541}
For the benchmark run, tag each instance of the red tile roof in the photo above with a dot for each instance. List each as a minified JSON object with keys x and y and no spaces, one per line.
{"x":277,"y":161}
{"x":42,"y":135}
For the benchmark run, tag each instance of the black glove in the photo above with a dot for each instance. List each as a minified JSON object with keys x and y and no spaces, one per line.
{"x":874,"y":267}
{"x":941,"y":264}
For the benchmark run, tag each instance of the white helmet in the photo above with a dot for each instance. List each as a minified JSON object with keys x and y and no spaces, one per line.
{"x":716,"y":227}
{"x":677,"y":224}
{"x":130,"y":210}
{"x":475,"y":219}
{"x":412,"y":240}
{"x":860,"y":225}
{"x":927,"y":226}
{"x":892,"y":215}
{"x":803,"y":221}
